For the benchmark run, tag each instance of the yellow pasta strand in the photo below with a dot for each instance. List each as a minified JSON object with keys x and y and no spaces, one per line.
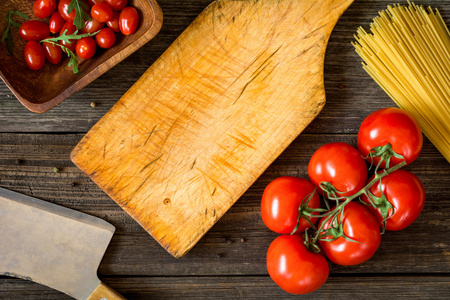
{"x":407,"y":52}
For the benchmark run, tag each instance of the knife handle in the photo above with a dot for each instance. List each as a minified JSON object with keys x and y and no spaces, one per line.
{"x":104,"y":292}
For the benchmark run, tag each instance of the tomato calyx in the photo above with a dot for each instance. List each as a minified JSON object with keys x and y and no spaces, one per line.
{"x":385,"y":153}
{"x":306,"y":212}
{"x":385,"y":207}
{"x":336,"y":229}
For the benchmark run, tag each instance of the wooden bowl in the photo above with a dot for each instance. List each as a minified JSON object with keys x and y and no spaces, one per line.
{"x":42,"y":90}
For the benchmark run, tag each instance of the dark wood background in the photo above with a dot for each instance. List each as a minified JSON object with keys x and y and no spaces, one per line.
{"x":229,"y":261}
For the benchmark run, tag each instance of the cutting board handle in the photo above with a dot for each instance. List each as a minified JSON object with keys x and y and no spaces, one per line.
{"x":104,"y":292}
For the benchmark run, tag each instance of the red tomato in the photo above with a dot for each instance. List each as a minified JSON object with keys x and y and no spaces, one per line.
{"x":359,"y":225}
{"x":34,"y":55}
{"x":44,"y":8}
{"x":63,"y":7}
{"x":339,"y":164}
{"x":391,"y":125}
{"x":281,"y":200}
{"x":34,"y":30}
{"x":114,"y":22}
{"x":117,"y":5}
{"x":92,"y":26}
{"x":52,"y":53}
{"x":128,"y":20}
{"x":102,"y":12}
{"x":293,"y":267}
{"x":56,"y":22}
{"x":93,"y":2}
{"x":404,"y":191}
{"x":86,"y":47}
{"x":106,"y":38}
{"x":70,"y":29}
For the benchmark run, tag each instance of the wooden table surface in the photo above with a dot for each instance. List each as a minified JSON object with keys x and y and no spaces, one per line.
{"x":229,"y":261}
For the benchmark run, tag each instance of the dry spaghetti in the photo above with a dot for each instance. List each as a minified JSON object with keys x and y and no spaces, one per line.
{"x":408,"y":54}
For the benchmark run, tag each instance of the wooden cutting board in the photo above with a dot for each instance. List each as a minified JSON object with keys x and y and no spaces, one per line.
{"x":211,"y":114}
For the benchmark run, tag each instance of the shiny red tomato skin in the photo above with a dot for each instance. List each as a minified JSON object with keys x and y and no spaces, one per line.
{"x":293,"y":267}
{"x":390,"y":125}
{"x":341,"y":165}
{"x":70,"y":29}
{"x":34,"y":55}
{"x":53,"y":53}
{"x":92,"y":26}
{"x":106,"y":38}
{"x":86,"y":47}
{"x":406,"y":194}
{"x":44,"y":8}
{"x":63,"y":7}
{"x":359,"y":225}
{"x":34,"y":30}
{"x":114,"y":22}
{"x":102,"y":12}
{"x":281,"y":200}
{"x":56,"y":22}
{"x":117,"y":5}
{"x":93,"y":2}
{"x":128,"y":20}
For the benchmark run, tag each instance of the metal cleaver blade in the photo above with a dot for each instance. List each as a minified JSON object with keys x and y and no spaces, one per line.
{"x":53,"y":245}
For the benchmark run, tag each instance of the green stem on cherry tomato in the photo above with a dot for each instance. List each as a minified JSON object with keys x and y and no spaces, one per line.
{"x":385,"y":153}
{"x":340,"y":208}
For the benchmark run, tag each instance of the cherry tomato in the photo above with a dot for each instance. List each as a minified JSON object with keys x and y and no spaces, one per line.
{"x":117,"y":5}
{"x":34,"y":55}
{"x":359,"y":225}
{"x":52,"y":53}
{"x":404,"y":191}
{"x":63,"y":7}
{"x":93,"y":2}
{"x":106,"y":38}
{"x":34,"y":30}
{"x":44,"y":8}
{"x":293,"y":267}
{"x":70,"y":29}
{"x":391,"y":125}
{"x":102,"y":12}
{"x":114,"y":22}
{"x":281,"y":200}
{"x":339,"y":164}
{"x":92,"y":26}
{"x":128,"y":20}
{"x":56,"y":22}
{"x":86,"y":47}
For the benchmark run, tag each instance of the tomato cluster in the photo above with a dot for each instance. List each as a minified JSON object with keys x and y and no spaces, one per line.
{"x":347,"y":232}
{"x":100,"y":21}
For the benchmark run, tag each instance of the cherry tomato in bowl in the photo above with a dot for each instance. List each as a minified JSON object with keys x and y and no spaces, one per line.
{"x":359,"y":225}
{"x":86,"y":47}
{"x":56,"y":22}
{"x":403,"y":202}
{"x":102,"y":12}
{"x":34,"y":55}
{"x":394,"y":126}
{"x":339,"y":164}
{"x":128,"y":20}
{"x":44,"y":8}
{"x":34,"y":30}
{"x":52,"y":53}
{"x":281,"y":200}
{"x":106,"y":38}
{"x":117,"y":5}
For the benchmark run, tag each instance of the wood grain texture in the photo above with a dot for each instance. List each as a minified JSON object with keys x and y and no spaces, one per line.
{"x":205,"y":121}
{"x":42,"y":90}
{"x":103,"y":291}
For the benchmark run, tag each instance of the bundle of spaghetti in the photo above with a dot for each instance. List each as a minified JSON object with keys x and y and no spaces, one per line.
{"x":408,"y":54}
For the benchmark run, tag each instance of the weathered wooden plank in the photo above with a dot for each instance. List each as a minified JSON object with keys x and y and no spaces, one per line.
{"x":248,"y":287}
{"x":421,"y":248}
